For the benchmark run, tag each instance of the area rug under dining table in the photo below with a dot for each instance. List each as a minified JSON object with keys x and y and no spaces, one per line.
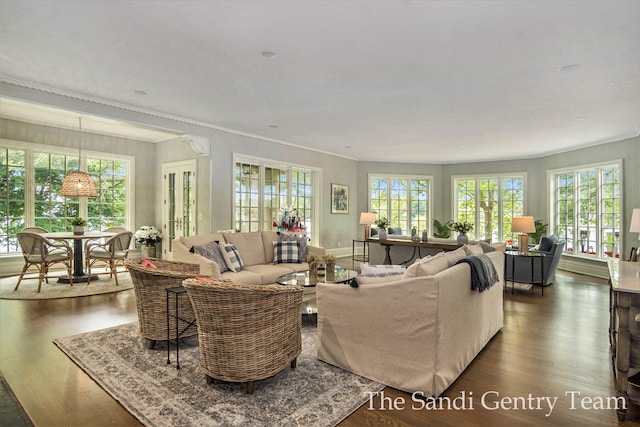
{"x":158,"y":394}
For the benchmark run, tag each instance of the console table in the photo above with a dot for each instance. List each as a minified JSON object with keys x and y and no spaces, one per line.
{"x":359,"y":251}
{"x":388,"y":243}
{"x":624,"y":277}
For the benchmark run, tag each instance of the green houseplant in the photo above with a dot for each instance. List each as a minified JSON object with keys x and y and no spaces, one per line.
{"x":78,"y":225}
{"x":382,"y":223}
{"x":541,"y":230}
{"x":442,"y":231}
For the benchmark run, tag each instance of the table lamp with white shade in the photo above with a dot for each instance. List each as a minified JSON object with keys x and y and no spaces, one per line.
{"x":635,"y":227}
{"x":523,"y":225}
{"x":366,"y":219}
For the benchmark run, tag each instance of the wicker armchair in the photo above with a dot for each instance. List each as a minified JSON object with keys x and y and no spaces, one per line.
{"x":42,"y":253}
{"x":111,"y":253}
{"x":149,"y":285}
{"x":246,"y":332}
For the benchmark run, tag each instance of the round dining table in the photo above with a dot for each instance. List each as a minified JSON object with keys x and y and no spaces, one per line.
{"x":79,"y":276}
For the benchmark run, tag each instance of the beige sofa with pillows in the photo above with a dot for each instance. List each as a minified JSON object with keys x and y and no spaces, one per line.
{"x":415,"y":330}
{"x":253,"y":258}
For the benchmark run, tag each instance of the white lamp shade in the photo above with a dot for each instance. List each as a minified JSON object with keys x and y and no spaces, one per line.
{"x":523,"y":224}
{"x":635,"y":221}
{"x":367,"y":218}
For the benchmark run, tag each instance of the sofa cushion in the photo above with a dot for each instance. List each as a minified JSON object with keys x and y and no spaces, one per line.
{"x":201,"y":239}
{"x":547,"y":242}
{"x":455,"y":256}
{"x":286,"y":252}
{"x":412,"y":270}
{"x":432,"y":266}
{"x":373,"y":269}
{"x":249,"y":245}
{"x":302,"y":244}
{"x":232,"y":257}
{"x":394,"y":230}
{"x":268,"y":237}
{"x":269,"y":273}
{"x":213,"y":252}
{"x":475,"y":249}
{"x":244,"y":277}
{"x":365,"y":279}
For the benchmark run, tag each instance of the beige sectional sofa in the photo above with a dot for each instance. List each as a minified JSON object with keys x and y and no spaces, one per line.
{"x":256,"y":251}
{"x":415,"y":334}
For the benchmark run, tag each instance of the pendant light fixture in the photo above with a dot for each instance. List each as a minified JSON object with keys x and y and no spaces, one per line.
{"x":79,"y":184}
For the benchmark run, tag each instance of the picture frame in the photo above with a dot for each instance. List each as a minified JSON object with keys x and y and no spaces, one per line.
{"x":339,"y":199}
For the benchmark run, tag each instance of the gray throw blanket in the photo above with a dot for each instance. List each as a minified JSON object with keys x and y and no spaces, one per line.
{"x":483,"y":272}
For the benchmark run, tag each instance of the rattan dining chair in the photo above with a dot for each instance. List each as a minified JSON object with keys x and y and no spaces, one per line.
{"x":149,"y":285}
{"x":246,"y":333}
{"x":42,"y":253}
{"x":111,"y":253}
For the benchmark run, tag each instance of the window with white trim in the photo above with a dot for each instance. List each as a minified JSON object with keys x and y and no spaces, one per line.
{"x":585,"y":209}
{"x":489,"y":203}
{"x":263,"y":189}
{"x":43,"y":169}
{"x":404,"y":200}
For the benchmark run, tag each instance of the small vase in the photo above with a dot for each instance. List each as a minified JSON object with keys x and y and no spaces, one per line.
{"x":148,"y":251}
{"x":382,"y":234}
{"x":331,"y":269}
{"x":463,"y":239}
{"x":78,"y":230}
{"x":313,"y":270}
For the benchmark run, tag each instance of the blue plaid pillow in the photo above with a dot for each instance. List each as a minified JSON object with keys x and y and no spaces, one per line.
{"x":286,"y":252}
{"x":232,"y":257}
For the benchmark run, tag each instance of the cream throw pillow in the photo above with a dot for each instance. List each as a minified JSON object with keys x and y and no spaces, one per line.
{"x":412,"y":270}
{"x":455,"y":256}
{"x":475,"y":249}
{"x":433,"y":266}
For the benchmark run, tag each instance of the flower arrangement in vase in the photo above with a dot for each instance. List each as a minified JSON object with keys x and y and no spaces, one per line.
{"x":382,"y":223}
{"x":330,"y":263}
{"x":288,"y":219}
{"x":148,"y":236}
{"x":462,"y":228}
{"x":314,"y":262}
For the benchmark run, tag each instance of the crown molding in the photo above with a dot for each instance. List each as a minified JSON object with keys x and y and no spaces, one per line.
{"x":152,"y":113}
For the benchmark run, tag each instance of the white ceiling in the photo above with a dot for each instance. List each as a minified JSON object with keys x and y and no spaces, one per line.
{"x":395,"y":80}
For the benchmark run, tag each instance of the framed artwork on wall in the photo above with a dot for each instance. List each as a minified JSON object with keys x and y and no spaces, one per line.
{"x":339,"y":199}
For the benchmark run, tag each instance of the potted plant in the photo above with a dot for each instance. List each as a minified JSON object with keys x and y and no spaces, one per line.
{"x":442,"y":231}
{"x":382,"y":223}
{"x":462,"y":228}
{"x":78,"y":225}
{"x":541,"y":229}
{"x":148,"y":237}
{"x":313,"y":260}
{"x":330,"y":263}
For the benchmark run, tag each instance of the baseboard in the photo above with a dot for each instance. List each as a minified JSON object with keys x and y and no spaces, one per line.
{"x":340,"y":252}
{"x":595,"y":268}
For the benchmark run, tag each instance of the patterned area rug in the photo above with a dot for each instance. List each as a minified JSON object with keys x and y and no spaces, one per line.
{"x":53,"y":289}
{"x":312,"y":394}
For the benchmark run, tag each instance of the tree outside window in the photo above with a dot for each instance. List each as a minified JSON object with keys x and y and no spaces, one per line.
{"x":404,"y":200}
{"x":586,"y":210}
{"x":489,"y":203}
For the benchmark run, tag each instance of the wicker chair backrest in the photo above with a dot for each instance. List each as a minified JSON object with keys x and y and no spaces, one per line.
{"x":33,"y":245}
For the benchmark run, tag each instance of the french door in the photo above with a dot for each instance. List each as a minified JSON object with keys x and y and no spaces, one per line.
{"x":179,"y":207}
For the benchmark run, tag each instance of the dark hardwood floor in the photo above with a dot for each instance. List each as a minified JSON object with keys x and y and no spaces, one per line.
{"x":549,"y":346}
